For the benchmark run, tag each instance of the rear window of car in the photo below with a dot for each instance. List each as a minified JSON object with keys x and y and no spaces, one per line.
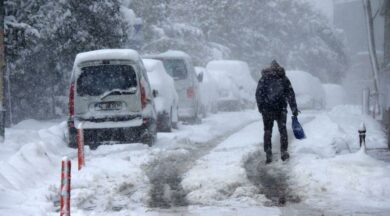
{"x":96,"y":80}
{"x":176,"y":68}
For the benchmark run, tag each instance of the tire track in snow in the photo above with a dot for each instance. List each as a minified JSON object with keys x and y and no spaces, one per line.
{"x":272,"y":180}
{"x":165,"y":172}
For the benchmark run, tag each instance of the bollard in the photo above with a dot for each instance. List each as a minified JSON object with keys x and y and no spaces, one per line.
{"x":362,"y":135}
{"x":65,"y":187}
{"x":80,"y":147}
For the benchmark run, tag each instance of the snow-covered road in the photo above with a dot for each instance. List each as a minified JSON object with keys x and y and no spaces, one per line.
{"x":214,"y":168}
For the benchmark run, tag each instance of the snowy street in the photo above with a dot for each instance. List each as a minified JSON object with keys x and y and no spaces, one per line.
{"x":196,"y":107}
{"x":213,"y":168}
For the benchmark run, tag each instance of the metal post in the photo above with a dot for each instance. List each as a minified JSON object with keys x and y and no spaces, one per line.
{"x":366,"y":101}
{"x":2,"y":64}
{"x":362,"y":135}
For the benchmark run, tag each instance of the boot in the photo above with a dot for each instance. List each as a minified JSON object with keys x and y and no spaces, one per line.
{"x":268,"y":157}
{"x":285,"y":155}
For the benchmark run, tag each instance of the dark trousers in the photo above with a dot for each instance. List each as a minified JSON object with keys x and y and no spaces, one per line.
{"x":268,"y":120}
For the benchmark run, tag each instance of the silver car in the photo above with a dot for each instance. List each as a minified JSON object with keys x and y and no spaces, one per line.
{"x":111,"y":99}
{"x":179,"y":66}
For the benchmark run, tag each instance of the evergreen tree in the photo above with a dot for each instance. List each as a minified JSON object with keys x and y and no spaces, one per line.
{"x":52,"y":33}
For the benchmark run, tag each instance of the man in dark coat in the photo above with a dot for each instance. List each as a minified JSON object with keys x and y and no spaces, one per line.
{"x":273,"y":92}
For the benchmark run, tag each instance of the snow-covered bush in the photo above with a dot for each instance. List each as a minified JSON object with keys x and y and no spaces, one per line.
{"x":256,"y":31}
{"x":42,"y":39}
{"x":308,"y":90}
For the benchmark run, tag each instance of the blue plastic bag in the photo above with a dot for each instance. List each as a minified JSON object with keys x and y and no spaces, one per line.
{"x":297,"y":129}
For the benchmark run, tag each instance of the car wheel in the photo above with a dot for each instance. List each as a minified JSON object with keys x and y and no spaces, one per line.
{"x":204,"y":111}
{"x":150,"y":135}
{"x":149,"y":140}
{"x":167,"y":124}
{"x":196,"y":119}
{"x":175,"y":123}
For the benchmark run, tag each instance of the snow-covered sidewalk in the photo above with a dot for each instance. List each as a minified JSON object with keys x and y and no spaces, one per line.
{"x":329,"y":171}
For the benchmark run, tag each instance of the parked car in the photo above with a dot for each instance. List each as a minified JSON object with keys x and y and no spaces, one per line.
{"x":209,"y":91}
{"x":111,"y":99}
{"x":308,"y":89}
{"x":236,"y":86}
{"x":179,"y":66}
{"x":335,"y":95}
{"x":166,"y":100}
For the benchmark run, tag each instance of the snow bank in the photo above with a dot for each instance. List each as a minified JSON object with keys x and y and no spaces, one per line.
{"x":328,"y":169}
{"x":335,"y":95}
{"x":308,"y":90}
{"x":349,"y":119}
{"x":30,"y":162}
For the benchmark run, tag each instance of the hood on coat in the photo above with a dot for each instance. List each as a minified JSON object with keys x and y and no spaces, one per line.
{"x":274,"y":71}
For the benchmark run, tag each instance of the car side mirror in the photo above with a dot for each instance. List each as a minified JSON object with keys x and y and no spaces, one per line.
{"x":155,"y":93}
{"x":200,"y":77}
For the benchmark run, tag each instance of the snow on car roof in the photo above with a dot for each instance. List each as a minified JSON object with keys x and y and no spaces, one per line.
{"x":237,"y":70}
{"x":153,"y":65}
{"x":305,"y":83}
{"x":170,"y":54}
{"x":231,"y":67}
{"x":107,"y":54}
{"x":224,"y":62}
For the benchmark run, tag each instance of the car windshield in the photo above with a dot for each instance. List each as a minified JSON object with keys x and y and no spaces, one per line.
{"x":176,"y":68}
{"x":96,"y":80}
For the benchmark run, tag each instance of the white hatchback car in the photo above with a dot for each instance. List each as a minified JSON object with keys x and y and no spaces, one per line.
{"x":235,"y":84}
{"x":179,"y":66}
{"x":166,"y":98}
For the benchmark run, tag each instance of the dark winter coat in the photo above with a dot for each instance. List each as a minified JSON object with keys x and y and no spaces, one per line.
{"x":274,"y":91}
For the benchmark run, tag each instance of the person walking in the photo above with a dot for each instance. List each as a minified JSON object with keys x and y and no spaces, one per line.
{"x":273,"y":92}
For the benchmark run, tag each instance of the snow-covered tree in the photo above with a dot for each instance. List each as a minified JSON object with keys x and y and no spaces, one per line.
{"x":43,"y":37}
{"x":164,"y":30}
{"x":257,"y":31}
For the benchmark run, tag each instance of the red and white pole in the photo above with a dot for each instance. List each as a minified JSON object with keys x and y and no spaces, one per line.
{"x":80,"y":146}
{"x":65,"y":187}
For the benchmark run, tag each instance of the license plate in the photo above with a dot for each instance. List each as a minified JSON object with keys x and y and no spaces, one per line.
{"x":108,"y":106}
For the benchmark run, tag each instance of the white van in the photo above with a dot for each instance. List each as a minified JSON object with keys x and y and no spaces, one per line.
{"x":179,"y":66}
{"x":111,"y":99}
